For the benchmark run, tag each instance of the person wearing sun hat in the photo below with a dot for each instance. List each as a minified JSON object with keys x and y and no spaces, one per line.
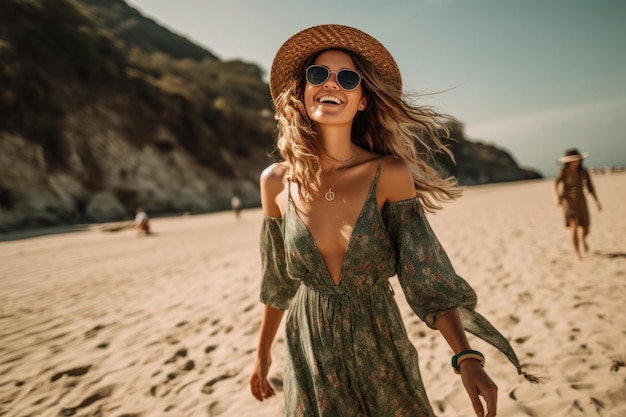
{"x":572,"y":155}
{"x":569,"y":186}
{"x":344,"y":211}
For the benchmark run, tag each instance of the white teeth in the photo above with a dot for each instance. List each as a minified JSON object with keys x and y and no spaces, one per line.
{"x":329,"y":98}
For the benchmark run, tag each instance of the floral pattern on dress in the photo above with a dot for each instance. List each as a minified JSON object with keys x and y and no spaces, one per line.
{"x":348,"y":353}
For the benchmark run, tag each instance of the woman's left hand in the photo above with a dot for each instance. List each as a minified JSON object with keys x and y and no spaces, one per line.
{"x":478,"y":384}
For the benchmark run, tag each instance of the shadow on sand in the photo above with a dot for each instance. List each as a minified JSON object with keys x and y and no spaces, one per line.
{"x":611,"y":255}
{"x":43,"y":231}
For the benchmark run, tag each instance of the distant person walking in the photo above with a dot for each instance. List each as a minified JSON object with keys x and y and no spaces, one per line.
{"x":142,"y":222}
{"x":235,"y":204}
{"x":569,"y":193}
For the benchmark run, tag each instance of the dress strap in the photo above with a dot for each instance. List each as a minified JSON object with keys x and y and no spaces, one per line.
{"x":380,"y":163}
{"x":289,"y":190}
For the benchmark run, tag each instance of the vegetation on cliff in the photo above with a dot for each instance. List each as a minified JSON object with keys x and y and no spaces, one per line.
{"x":104,"y":110}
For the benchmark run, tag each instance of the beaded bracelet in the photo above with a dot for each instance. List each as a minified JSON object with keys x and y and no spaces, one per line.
{"x":466,"y":354}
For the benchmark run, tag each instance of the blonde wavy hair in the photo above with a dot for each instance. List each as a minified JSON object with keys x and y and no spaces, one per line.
{"x":390,"y":125}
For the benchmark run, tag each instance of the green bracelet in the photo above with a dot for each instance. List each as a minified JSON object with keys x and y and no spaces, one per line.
{"x":466,"y":354}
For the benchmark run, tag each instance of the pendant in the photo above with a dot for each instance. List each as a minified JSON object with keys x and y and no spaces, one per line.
{"x":329,"y":196}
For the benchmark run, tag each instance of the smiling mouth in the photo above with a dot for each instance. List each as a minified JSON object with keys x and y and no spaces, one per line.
{"x":329,"y":99}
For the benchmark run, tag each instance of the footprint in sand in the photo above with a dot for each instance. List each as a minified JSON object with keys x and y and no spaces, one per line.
{"x":99,"y":394}
{"x":617,"y":363}
{"x":208,"y":387}
{"x":181,"y":353}
{"x":170,"y":376}
{"x":91,"y":333}
{"x":79,"y":371}
{"x":525,"y":297}
{"x":216,"y":408}
{"x":277,"y":383}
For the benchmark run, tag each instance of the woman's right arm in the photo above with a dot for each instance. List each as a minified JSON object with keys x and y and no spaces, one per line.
{"x":272,"y":190}
{"x":259,"y":385}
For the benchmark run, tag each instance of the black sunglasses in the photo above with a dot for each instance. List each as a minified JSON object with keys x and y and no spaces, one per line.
{"x":346,"y":78}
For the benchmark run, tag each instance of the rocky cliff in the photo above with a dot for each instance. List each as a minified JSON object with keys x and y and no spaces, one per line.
{"x":103,"y":110}
{"x":478,"y":163}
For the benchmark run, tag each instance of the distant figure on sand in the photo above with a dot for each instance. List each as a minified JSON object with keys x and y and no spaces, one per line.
{"x":142,"y":222}
{"x":235,"y":203}
{"x":569,"y":193}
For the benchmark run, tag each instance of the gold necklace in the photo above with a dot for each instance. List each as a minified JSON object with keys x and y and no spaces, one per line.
{"x":341,"y":161}
{"x":330,"y":194}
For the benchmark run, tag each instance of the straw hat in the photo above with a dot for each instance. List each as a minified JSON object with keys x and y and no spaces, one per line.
{"x":289,"y":62}
{"x":572,"y":155}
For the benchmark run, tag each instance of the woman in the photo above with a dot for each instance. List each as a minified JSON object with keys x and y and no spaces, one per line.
{"x":343,"y":213}
{"x":569,"y":193}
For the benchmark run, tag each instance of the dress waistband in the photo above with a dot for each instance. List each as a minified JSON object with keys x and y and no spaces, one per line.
{"x":350,"y":289}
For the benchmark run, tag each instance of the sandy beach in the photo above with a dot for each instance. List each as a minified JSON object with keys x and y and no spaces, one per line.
{"x":111,"y":324}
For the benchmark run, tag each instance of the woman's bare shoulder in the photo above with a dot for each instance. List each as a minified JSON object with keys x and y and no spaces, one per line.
{"x":272,"y":184}
{"x":396,"y":180}
{"x":274,"y":174}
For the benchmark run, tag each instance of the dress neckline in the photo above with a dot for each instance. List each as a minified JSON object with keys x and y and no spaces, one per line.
{"x":371,"y":196}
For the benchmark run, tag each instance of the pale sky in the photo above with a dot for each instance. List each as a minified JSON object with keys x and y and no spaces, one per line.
{"x":533,"y":77}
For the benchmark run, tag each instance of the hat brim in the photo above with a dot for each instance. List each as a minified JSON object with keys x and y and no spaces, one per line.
{"x":572,"y":158}
{"x":291,"y":58}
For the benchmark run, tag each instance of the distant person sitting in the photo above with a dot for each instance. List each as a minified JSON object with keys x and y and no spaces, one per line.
{"x":142,"y":222}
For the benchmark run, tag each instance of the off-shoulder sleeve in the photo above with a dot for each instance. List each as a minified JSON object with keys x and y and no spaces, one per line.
{"x":430,"y":284}
{"x":277,"y":289}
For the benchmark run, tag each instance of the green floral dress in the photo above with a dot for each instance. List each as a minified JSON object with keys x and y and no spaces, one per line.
{"x":348,"y":353}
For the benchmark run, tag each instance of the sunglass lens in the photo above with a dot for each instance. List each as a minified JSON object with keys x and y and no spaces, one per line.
{"x":317,"y":75}
{"x":348,"y":79}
